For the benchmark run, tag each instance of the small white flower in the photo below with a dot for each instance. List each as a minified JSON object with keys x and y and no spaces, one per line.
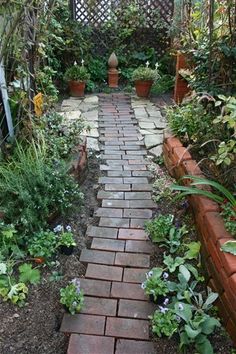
{"x":58,"y":228}
{"x":163,"y":309}
{"x":143,"y":286}
{"x":82,"y":62}
{"x":150,"y":274}
{"x":68,"y":228}
{"x":157,"y":66}
{"x":165,"y":275}
{"x":147,"y":63}
{"x":75,"y":62}
{"x":166,"y":301}
{"x":180,"y":306}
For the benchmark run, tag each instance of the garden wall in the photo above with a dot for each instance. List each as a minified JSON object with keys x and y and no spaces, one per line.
{"x":220,"y":267}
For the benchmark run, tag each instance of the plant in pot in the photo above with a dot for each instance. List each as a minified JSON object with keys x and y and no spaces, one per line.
{"x":77,"y":76}
{"x":72,"y":297}
{"x":143,"y":78}
{"x":66,"y":242}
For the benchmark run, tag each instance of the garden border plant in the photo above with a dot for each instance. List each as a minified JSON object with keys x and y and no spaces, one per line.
{"x":220,"y":266}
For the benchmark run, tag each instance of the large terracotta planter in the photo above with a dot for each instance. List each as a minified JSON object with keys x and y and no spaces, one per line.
{"x":76,"y":88}
{"x":143,"y":88}
{"x":181,"y":85}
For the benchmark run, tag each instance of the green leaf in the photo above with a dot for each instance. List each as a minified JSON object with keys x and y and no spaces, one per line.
{"x":3,"y":268}
{"x":204,"y":347}
{"x":209,"y":325}
{"x":183,"y":270}
{"x":192,"y":333}
{"x":210,"y":299}
{"x":27,"y":274}
{"x":230,"y":247}
{"x":193,"y":250}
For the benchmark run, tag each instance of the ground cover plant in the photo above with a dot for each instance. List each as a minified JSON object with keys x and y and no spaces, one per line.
{"x":185,"y":307}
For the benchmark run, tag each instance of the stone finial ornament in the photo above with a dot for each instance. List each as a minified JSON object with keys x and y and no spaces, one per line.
{"x":113,"y":74}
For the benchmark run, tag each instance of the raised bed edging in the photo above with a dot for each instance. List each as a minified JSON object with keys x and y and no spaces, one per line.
{"x":219,"y":266}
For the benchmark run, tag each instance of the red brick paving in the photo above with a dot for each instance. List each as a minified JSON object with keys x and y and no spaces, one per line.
{"x":114,"y":319}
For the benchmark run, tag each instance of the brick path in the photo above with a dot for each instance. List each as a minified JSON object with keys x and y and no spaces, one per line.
{"x":114,"y":319}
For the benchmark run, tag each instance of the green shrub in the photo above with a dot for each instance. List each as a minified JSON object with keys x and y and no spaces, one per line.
{"x":191,"y":121}
{"x":31,"y":188}
{"x":42,"y":244}
{"x":158,"y":229}
{"x":58,"y":136}
{"x":144,"y":73}
{"x":77,"y":73}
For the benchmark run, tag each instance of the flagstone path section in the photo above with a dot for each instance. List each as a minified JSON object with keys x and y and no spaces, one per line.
{"x":114,"y":319}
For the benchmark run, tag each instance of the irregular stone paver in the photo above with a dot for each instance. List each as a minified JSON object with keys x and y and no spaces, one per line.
{"x":115,"y":316}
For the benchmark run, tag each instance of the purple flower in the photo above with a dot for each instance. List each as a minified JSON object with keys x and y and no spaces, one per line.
{"x":143,"y":286}
{"x":180,"y":306}
{"x":165,"y":275}
{"x":185,"y":204}
{"x":58,"y":228}
{"x":150,"y":274}
{"x":163,"y":309}
{"x":76,"y":283}
{"x":68,"y":228}
{"x":177,"y":224}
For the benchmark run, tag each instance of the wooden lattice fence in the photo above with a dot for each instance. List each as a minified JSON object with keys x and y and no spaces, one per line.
{"x":97,"y":12}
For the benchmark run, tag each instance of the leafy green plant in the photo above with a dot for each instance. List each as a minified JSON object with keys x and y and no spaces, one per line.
{"x":145,"y":73}
{"x":164,"y":322}
{"x":223,"y":196}
{"x":159,"y":228}
{"x":9,"y":246}
{"x":230,"y":247}
{"x":65,"y":238}
{"x":164,"y":84}
{"x":46,"y":86}
{"x":191,"y":121}
{"x":227,"y":118}
{"x":59,"y":137}
{"x":10,"y":289}
{"x":77,"y":73}
{"x":72,"y":296}
{"x":28,"y":274}
{"x":42,"y":244}
{"x":156,"y":283}
{"x":198,"y":324}
{"x":173,"y":239}
{"x":32,"y":187}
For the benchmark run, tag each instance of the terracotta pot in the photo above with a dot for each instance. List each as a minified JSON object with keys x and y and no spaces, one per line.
{"x":143,"y":88}
{"x":76,"y":88}
{"x":181,"y":85}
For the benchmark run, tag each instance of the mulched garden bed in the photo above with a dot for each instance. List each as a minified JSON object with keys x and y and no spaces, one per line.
{"x":34,"y":329}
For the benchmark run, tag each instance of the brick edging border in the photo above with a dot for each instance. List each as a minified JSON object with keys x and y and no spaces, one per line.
{"x":219,"y":266}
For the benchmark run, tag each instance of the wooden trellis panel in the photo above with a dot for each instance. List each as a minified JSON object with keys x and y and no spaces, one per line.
{"x":97,"y":12}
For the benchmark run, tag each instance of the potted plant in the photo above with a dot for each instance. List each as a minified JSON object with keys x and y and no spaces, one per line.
{"x":72,"y":297}
{"x":143,"y":78}
{"x":42,"y":246}
{"x":77,"y":76}
{"x":66,"y":241}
